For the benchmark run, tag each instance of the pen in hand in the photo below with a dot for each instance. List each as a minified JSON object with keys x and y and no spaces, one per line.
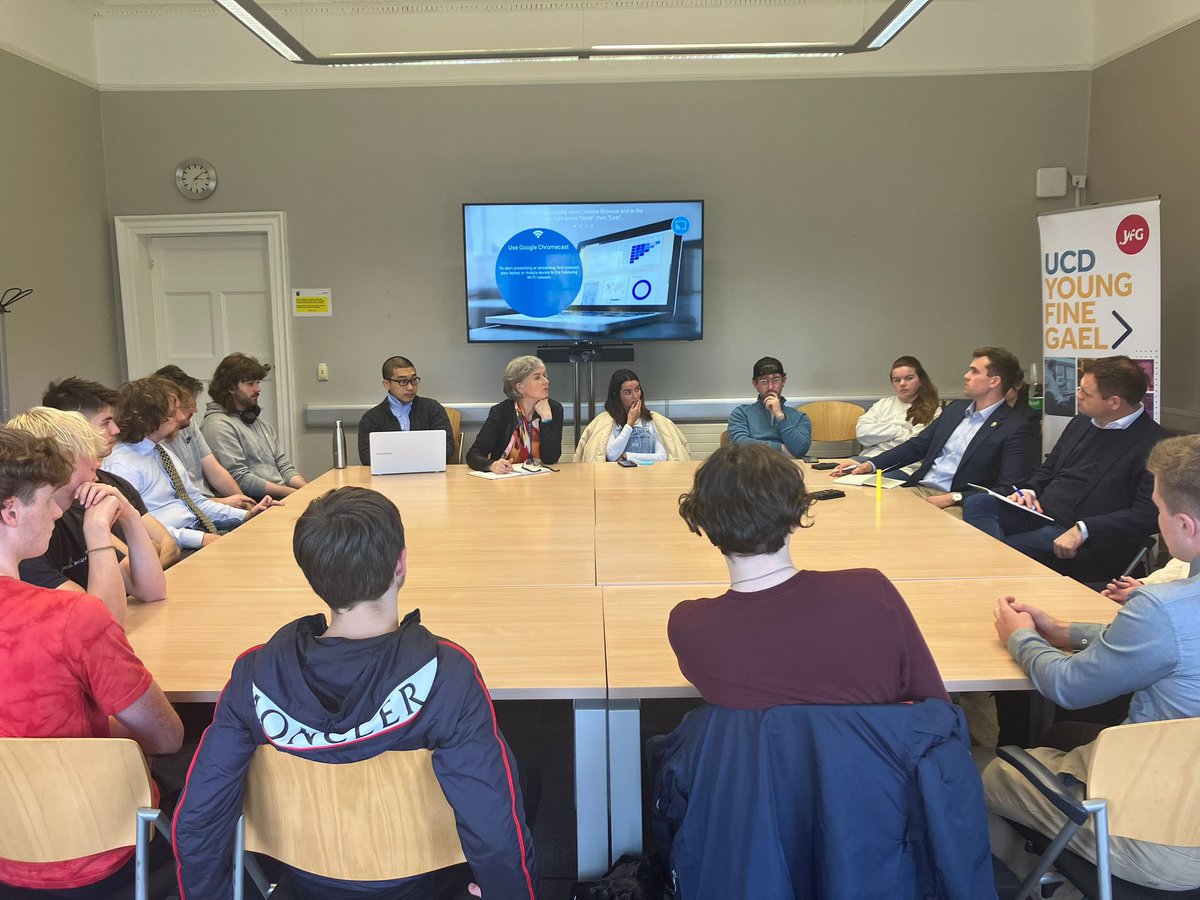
{"x":1024,"y":500}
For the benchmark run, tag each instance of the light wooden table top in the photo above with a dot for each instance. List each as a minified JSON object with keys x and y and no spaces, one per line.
{"x":954,"y":615}
{"x":539,"y":638}
{"x":549,"y":649}
{"x":460,"y":531}
{"x":601,"y":556}
{"x":640,"y":538}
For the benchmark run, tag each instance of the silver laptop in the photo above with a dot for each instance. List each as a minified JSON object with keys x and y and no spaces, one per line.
{"x":629,"y":278}
{"x":401,"y":452}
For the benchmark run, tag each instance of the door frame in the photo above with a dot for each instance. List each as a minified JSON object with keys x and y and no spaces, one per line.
{"x":133,"y":234}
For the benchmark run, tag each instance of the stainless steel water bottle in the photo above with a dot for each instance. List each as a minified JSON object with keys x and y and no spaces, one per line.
{"x":339,"y":446}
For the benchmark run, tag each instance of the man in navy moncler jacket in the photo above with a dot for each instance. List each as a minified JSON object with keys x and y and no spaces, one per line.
{"x":365,"y":684}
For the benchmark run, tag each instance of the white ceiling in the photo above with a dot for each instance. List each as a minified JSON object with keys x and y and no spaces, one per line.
{"x":192,"y":44}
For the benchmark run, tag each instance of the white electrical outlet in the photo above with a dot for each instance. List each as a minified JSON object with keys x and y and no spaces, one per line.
{"x":322,"y":372}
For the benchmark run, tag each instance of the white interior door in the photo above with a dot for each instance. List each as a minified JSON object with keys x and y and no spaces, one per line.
{"x":211,"y":297}
{"x":197,"y":287}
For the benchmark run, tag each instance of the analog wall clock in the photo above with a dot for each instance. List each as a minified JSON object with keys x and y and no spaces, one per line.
{"x":196,"y":178}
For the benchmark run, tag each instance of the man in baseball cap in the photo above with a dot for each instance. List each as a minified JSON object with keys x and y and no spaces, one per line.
{"x":769,"y":420}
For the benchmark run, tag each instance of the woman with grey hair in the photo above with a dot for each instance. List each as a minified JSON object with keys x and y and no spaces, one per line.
{"x":525,"y":427}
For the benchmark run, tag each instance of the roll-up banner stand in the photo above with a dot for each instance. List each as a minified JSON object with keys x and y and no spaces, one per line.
{"x":1101,"y":295}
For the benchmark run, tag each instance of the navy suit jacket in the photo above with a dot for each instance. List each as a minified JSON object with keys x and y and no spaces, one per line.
{"x":1002,"y":453}
{"x":1116,"y":505}
{"x":822,"y":801}
{"x":425,"y":415}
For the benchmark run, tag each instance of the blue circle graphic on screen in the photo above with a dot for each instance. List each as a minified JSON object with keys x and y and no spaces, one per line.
{"x":680,"y":225}
{"x":539,"y":272}
{"x":641,"y":289}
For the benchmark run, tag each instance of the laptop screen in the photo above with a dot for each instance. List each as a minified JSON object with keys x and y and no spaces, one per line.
{"x":401,"y":452}
{"x":636,"y":270}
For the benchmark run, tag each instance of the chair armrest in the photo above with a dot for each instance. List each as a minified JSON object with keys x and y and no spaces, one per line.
{"x":1045,"y":781}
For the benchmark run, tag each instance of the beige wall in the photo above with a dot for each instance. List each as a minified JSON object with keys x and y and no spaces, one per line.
{"x":847,"y":220}
{"x":54,"y":233}
{"x":1145,"y":140}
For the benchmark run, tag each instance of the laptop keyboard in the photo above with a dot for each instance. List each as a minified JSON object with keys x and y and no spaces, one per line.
{"x":596,"y":314}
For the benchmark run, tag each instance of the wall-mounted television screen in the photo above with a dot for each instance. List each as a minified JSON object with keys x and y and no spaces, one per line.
{"x":567,"y":272}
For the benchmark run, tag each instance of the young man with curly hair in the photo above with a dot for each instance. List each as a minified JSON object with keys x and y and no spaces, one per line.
{"x":242,"y":442}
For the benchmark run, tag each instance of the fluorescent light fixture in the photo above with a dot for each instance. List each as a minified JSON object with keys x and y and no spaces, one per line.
{"x":447,"y":61}
{"x":644,"y":57}
{"x":892,"y":28}
{"x":260,"y":28}
{"x":788,"y":46}
{"x":279,"y":39}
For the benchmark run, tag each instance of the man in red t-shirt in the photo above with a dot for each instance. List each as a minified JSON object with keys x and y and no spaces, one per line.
{"x":66,"y":665}
{"x":782,"y":635}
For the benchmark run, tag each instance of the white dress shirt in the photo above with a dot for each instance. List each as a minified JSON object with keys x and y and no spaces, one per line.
{"x":1122,"y":423}
{"x":941,"y":475}
{"x":140,"y":466}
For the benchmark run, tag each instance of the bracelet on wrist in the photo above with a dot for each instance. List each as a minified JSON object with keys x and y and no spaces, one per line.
{"x":91,"y":550}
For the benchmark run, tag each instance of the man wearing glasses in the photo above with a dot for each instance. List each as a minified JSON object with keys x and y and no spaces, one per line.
{"x":402,"y":409}
{"x":769,"y":420}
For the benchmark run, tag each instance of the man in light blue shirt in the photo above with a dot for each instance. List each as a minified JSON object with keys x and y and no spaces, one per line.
{"x":403,"y":410}
{"x":1152,"y":649}
{"x":148,"y":413}
{"x":769,"y":420}
{"x":978,"y":440}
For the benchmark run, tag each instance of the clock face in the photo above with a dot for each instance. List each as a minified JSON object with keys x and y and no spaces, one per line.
{"x":196,"y":178}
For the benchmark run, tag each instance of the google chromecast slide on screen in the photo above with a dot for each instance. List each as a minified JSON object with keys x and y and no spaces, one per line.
{"x":584,"y":271}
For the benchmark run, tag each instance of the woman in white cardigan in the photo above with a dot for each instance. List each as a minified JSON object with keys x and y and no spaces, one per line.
{"x":627,"y":430}
{"x":893,"y":420}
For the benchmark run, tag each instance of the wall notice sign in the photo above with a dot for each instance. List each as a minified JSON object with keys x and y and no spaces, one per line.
{"x":312,"y":302}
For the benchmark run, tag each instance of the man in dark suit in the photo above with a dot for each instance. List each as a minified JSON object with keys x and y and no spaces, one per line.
{"x":1094,"y":484}
{"x":979,"y":440}
{"x":402,"y":410}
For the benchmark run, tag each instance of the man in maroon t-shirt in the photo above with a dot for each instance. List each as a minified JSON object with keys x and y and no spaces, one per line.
{"x":779,"y":635}
{"x":66,"y":665}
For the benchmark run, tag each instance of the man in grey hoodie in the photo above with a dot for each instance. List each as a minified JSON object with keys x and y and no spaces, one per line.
{"x":244,"y":444}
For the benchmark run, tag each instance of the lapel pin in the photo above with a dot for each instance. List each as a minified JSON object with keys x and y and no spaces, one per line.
{"x":994,"y":424}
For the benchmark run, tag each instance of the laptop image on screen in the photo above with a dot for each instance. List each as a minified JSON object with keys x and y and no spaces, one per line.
{"x":402,"y":452}
{"x":629,"y":278}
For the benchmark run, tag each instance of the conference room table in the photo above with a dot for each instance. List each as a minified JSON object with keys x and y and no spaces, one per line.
{"x":560,"y":585}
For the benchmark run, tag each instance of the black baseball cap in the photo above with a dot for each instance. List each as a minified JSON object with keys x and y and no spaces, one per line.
{"x":768,"y":365}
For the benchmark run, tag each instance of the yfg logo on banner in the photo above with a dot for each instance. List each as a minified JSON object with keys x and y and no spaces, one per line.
{"x":1100,"y":297}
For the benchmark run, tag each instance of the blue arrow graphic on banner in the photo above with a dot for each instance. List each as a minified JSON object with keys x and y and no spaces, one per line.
{"x":1128,"y":330}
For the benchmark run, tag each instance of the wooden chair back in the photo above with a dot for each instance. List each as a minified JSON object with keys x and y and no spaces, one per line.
{"x":832,"y":420}
{"x":725,"y":438}
{"x":833,"y":424}
{"x":1148,"y":774}
{"x":382,"y":818}
{"x":64,"y":798}
{"x":456,"y":424}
